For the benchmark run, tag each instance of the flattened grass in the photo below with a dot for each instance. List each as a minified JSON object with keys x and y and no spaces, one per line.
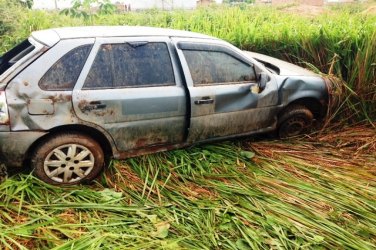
{"x":313,"y":193}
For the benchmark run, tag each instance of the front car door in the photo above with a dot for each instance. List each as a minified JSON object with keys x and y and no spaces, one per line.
{"x":131,"y":88}
{"x":219,"y":79}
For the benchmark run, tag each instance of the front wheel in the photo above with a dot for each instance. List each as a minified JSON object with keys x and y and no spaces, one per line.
{"x":68,"y":159}
{"x":294,"y":121}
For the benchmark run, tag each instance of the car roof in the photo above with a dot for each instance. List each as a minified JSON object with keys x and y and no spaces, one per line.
{"x":52,"y":36}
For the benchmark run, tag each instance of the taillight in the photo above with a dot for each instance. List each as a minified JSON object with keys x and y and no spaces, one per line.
{"x":4,"y":117}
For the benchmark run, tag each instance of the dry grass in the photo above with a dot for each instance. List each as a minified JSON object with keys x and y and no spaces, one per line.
{"x":312,"y":192}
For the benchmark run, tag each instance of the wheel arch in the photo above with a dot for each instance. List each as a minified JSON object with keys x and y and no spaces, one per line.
{"x":94,"y":133}
{"x":317,"y":108}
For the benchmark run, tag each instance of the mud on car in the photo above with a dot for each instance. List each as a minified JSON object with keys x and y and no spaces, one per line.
{"x":71,"y":98}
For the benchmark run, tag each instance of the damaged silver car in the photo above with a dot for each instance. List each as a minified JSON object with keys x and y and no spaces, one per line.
{"x":72,"y":98}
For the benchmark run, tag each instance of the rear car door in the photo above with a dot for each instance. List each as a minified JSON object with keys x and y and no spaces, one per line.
{"x":219,"y":80}
{"x":131,"y":88}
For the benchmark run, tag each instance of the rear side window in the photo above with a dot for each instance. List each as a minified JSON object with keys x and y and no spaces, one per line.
{"x":139,"y":64}
{"x":65,"y":72}
{"x":216,"y":67}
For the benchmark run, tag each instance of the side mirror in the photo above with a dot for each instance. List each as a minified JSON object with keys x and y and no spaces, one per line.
{"x":263,"y":79}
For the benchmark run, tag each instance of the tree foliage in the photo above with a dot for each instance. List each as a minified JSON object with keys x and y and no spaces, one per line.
{"x":27,"y":3}
{"x":88,"y":8}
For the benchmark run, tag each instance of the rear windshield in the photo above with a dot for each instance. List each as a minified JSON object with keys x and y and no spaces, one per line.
{"x":14,"y":55}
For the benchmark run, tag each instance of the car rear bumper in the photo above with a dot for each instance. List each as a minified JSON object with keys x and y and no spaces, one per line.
{"x":15,"y":145}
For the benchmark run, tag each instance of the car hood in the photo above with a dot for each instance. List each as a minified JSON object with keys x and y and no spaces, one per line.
{"x":280,"y":67}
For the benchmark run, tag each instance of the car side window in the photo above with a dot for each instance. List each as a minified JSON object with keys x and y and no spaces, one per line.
{"x":138,"y":64}
{"x":217,"y":67}
{"x":65,"y":72}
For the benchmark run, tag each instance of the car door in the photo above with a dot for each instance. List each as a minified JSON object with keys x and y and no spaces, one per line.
{"x":220,"y":81}
{"x":131,"y":88}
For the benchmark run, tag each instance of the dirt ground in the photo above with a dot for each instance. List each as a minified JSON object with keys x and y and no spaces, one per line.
{"x":309,"y":10}
{"x":306,"y":10}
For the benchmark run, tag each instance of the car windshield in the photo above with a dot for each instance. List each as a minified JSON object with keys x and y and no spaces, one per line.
{"x":14,"y":55}
{"x":270,"y":67}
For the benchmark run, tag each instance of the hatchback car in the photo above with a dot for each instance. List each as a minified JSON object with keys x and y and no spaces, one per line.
{"x":72,"y":98}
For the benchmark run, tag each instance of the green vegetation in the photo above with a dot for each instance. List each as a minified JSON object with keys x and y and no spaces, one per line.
{"x":341,"y":41}
{"x":84,"y":8}
{"x":316,"y":193}
{"x":312,"y":194}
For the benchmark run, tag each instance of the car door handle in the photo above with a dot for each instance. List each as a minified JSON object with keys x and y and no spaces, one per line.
{"x":94,"y":105}
{"x":204,"y":100}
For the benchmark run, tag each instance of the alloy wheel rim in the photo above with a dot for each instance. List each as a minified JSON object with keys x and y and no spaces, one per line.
{"x":69,"y":163}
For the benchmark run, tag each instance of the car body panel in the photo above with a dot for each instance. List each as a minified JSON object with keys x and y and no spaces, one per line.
{"x":14,"y":145}
{"x":47,"y":37}
{"x":135,"y":117}
{"x":234,"y":108}
{"x":119,"y":31}
{"x":24,"y":89}
{"x":285,"y":68}
{"x":140,"y":120}
{"x":294,"y":88}
{"x":294,"y":82}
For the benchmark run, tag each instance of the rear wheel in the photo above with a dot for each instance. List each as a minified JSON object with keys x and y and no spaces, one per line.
{"x":295,"y":120}
{"x":68,"y":159}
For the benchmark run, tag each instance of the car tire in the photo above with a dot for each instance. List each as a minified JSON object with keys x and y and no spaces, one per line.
{"x":295,"y":120}
{"x":68,"y":159}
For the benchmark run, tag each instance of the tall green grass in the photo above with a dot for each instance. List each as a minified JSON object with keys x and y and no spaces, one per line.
{"x":341,"y":41}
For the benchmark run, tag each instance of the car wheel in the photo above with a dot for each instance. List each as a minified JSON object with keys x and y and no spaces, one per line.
{"x":68,"y":159}
{"x":294,"y":121}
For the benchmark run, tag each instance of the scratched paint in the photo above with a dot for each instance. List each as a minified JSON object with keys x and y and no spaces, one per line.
{"x":142,"y":107}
